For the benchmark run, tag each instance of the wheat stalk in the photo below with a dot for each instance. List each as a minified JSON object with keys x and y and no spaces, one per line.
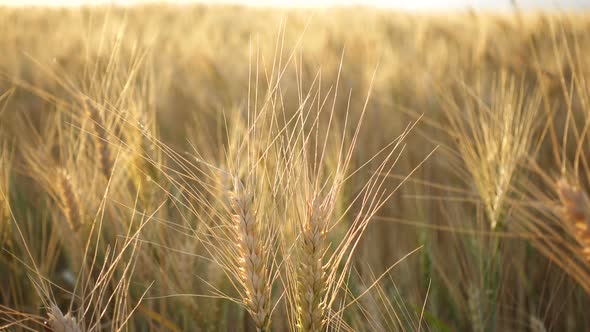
{"x":474,"y":303}
{"x":4,"y":194}
{"x":576,"y":211}
{"x":4,"y":217}
{"x":311,"y":274}
{"x":101,"y":139}
{"x":253,"y":270}
{"x":536,"y":324}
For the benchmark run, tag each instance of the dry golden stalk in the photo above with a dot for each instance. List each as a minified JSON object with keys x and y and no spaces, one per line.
{"x":311,"y":274}
{"x":3,"y":205}
{"x":4,"y":193}
{"x":58,"y":322}
{"x":101,"y":139}
{"x":4,"y":222}
{"x":576,"y":211}
{"x":149,"y":149}
{"x":4,"y":210}
{"x":69,"y":200}
{"x":252,"y":265}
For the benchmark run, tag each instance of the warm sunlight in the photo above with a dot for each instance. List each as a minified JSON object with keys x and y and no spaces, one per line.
{"x":393,"y":4}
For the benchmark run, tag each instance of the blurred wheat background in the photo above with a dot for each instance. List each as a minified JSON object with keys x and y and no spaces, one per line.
{"x":202,"y":168}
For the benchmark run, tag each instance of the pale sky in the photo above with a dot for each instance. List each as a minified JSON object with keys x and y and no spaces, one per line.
{"x":396,"y":4}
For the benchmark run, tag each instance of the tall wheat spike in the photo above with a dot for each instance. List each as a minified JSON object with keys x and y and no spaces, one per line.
{"x":69,"y":200}
{"x":311,"y":275}
{"x":101,"y":139}
{"x":253,"y":269}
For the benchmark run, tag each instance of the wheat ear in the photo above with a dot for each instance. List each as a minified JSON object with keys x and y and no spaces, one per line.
{"x":311,"y":271}
{"x":576,"y":211}
{"x":101,"y":139}
{"x":252,"y":265}
{"x":69,"y":200}
{"x":58,"y":322}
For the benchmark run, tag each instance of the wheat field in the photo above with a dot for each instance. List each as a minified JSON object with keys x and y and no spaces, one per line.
{"x":219,"y":168}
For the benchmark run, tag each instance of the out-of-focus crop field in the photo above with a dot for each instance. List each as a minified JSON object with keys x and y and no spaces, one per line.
{"x":193,"y":168}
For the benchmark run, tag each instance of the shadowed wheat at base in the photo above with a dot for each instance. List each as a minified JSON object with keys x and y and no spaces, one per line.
{"x":576,"y":211}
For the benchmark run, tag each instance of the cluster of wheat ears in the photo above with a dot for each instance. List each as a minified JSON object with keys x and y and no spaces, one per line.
{"x":426,"y":174}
